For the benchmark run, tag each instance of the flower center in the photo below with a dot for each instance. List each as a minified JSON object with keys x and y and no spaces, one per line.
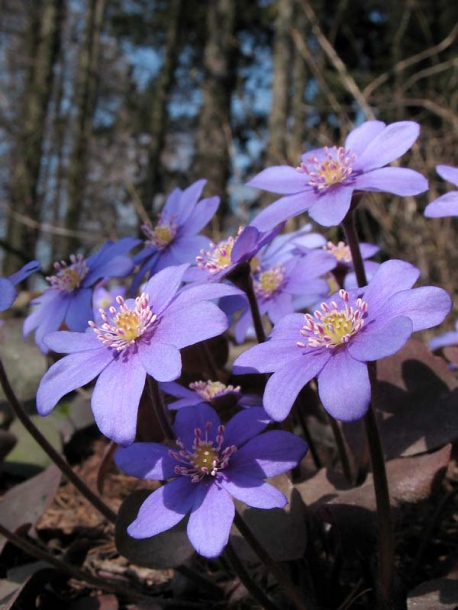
{"x":219,"y":257}
{"x":335,"y":168}
{"x":269,"y":281}
{"x":206,"y":458}
{"x":332,"y":326}
{"x":341,"y":251}
{"x":162,"y":234}
{"x":69,"y":277}
{"x":122,"y":327}
{"x":209,"y":390}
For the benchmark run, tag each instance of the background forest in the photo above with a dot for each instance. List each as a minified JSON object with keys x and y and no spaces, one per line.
{"x":107,"y":105}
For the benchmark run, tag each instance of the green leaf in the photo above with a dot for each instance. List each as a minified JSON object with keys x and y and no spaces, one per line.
{"x":28,"y":458}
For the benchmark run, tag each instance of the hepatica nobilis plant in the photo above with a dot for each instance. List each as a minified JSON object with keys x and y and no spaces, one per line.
{"x":68,"y":299}
{"x":326,"y":179}
{"x":210,"y":464}
{"x":228,"y":436}
{"x":139,"y":337}
{"x":334,"y":342}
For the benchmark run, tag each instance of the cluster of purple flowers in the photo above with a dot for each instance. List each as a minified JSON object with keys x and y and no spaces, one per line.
{"x":191,"y":295}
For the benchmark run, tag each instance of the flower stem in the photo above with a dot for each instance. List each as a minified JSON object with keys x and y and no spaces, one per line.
{"x":250,"y":584}
{"x":244,"y":281}
{"x":60,"y":462}
{"x":341,"y":449}
{"x":289,"y":589}
{"x":162,"y":413}
{"x":39,"y":553}
{"x":349,"y":227}
{"x":382,"y":495}
{"x":300,"y":405}
{"x":209,"y":362}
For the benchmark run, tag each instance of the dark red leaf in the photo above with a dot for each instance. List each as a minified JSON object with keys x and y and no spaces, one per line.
{"x":25,"y":503}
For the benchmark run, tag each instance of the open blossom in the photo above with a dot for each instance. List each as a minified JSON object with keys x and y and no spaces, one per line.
{"x":173,"y":240}
{"x":335,"y":343}
{"x":326,"y":179}
{"x":8,"y":292}
{"x":199,"y":392}
{"x":344,"y":262}
{"x":137,"y":338}
{"x":446,"y":205}
{"x":211,"y":464}
{"x":68,"y":299}
{"x":291,"y":285}
{"x":224,"y":257}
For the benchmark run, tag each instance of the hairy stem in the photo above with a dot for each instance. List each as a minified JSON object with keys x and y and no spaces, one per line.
{"x":288,"y":588}
{"x":382,"y":496}
{"x":244,"y":280}
{"x":162,"y":413}
{"x":341,"y":449}
{"x":39,"y":553}
{"x":60,"y":462}
{"x":349,"y":227}
{"x":207,"y":357}
{"x":250,"y":584}
{"x":300,"y":408}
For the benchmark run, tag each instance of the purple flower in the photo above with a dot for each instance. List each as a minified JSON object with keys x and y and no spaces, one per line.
{"x":212,"y":464}
{"x":448,"y":338}
{"x":336,"y":342}
{"x":326,"y":179}
{"x":68,"y":300}
{"x":344,"y":262}
{"x":285,"y":245}
{"x":199,"y":392}
{"x":285,"y":287}
{"x":223,"y":258}
{"x":446,"y":205}
{"x":174,"y":239}
{"x":139,"y":337}
{"x":8,"y":292}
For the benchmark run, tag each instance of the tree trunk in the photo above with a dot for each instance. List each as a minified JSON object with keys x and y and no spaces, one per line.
{"x":300,"y":81}
{"x":281,"y":84}
{"x":43,"y":41}
{"x":212,"y":147}
{"x":85,"y":102}
{"x":159,"y":114}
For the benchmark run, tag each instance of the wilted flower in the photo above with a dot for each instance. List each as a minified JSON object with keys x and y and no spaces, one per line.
{"x":446,"y":205}
{"x":335,"y":343}
{"x":8,"y":292}
{"x":326,"y":179}
{"x":138,"y":337}
{"x":211,"y":464}
{"x":68,"y":300}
